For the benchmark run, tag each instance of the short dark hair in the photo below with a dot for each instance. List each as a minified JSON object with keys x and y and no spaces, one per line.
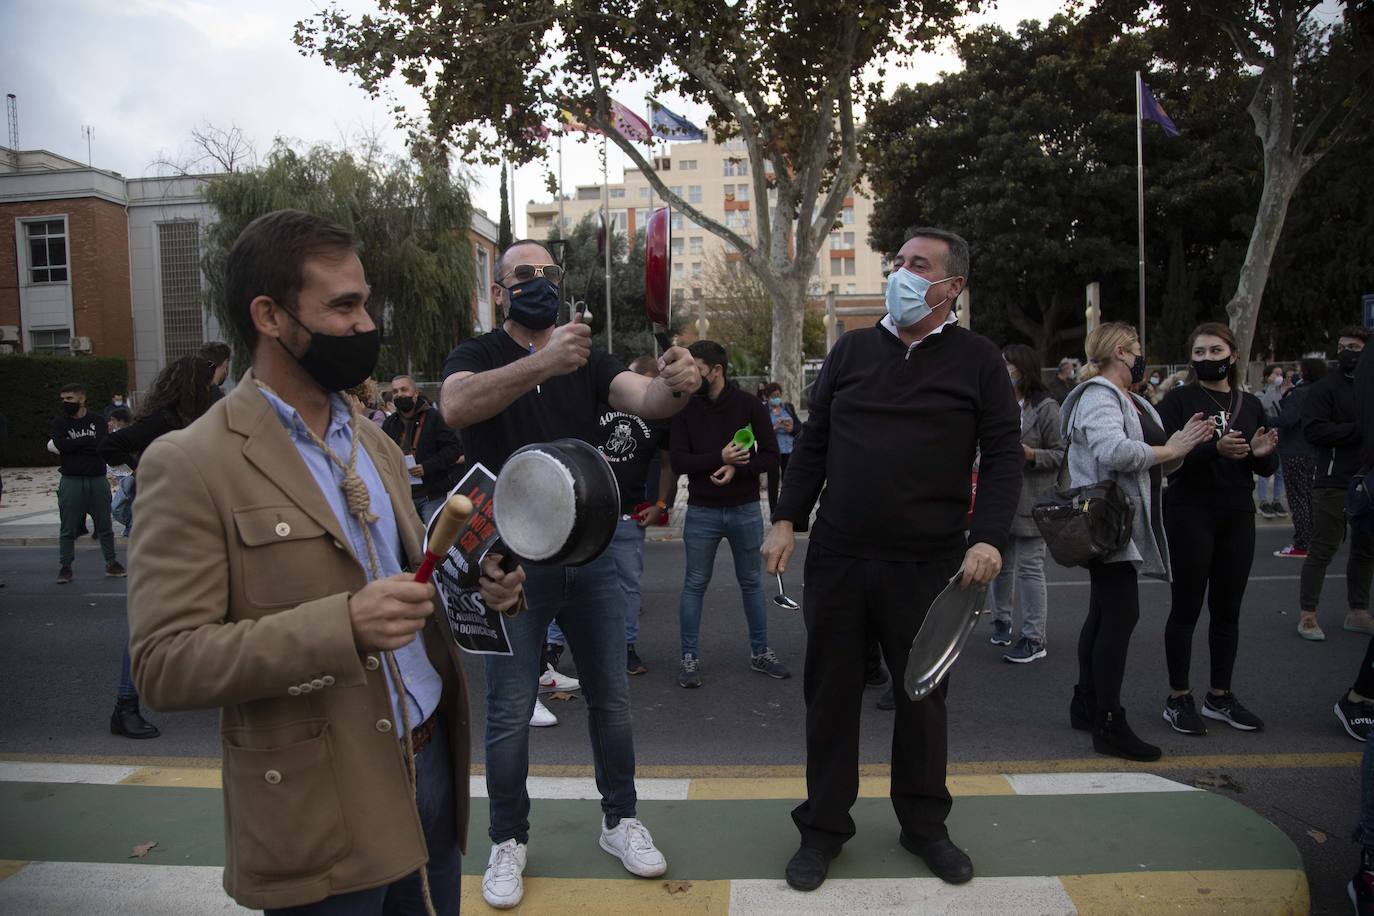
{"x":1355,"y":331}
{"x":122,"y":414}
{"x":956,"y":262}
{"x":710,"y":353}
{"x":1313,"y":368}
{"x":268,"y":259}
{"x":215,"y":352}
{"x":501,"y":261}
{"x":770,"y":387}
{"x":72,"y":388}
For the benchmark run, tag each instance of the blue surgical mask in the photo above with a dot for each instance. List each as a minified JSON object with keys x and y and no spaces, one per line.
{"x":776,"y":402}
{"x":906,"y":297}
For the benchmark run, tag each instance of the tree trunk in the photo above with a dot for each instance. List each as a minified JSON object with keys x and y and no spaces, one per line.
{"x":789,"y":310}
{"x":1281,"y":176}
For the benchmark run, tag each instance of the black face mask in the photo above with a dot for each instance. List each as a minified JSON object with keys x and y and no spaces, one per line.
{"x":1138,"y":370}
{"x":337,"y":362}
{"x":534,"y":303}
{"x":71,"y":410}
{"x":404,"y":405}
{"x":1211,"y":370}
{"x":1348,"y":360}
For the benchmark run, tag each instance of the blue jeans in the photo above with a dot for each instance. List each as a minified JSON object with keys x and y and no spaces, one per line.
{"x":742,"y":526}
{"x":1270,"y":489}
{"x":426,"y":506}
{"x":126,"y":690}
{"x":439,"y":818}
{"x":1023,"y":573}
{"x":591,"y":610}
{"x":627,"y":551}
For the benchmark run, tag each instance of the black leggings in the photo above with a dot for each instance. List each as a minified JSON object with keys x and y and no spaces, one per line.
{"x":1211,"y":551}
{"x":1113,"y":609}
{"x":1364,"y":681}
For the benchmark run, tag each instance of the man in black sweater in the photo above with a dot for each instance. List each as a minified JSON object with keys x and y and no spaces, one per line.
{"x":1328,"y":422}
{"x":896,"y":417}
{"x":722,"y":502}
{"x":433,"y":453}
{"x":83,"y":490}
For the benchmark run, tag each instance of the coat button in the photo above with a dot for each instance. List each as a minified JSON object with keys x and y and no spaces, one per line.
{"x":317,"y":683}
{"x":328,"y":680}
{"x":272,"y":776}
{"x":293,"y":690}
{"x":371,"y":664}
{"x":383,"y":725}
{"x":338,"y":543}
{"x":306,"y":688}
{"x":283,"y":529}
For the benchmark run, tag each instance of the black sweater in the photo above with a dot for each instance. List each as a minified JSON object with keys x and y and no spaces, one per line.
{"x":76,"y":442}
{"x":1328,"y":422}
{"x":436,"y":448}
{"x":892,"y":435}
{"x":1206,"y":478}
{"x":126,"y":446}
{"x":703,"y":428}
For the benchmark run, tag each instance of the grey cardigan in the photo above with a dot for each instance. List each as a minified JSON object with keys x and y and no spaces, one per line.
{"x":1106,"y":441}
{"x":1039,"y":431}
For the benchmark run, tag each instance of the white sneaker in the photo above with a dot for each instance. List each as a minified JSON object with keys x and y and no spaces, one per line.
{"x":629,"y":841}
{"x":542,"y":718}
{"x":503,"y":885}
{"x":551,"y":680}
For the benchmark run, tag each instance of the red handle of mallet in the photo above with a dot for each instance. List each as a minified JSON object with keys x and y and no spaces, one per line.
{"x":451,"y":518}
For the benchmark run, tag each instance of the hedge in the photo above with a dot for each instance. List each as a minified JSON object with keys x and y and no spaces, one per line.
{"x":30,"y":385}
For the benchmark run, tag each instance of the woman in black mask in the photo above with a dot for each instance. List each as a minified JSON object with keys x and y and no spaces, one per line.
{"x":1209,"y":517}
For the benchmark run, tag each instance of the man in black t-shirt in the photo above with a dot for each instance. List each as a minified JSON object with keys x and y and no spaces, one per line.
{"x":83,"y":489}
{"x":529,"y":381}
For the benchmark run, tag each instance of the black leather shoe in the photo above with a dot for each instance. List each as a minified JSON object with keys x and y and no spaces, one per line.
{"x":807,"y":869}
{"x":126,"y":721}
{"x":949,"y":863}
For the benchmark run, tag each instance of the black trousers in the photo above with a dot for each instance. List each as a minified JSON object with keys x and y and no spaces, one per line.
{"x":1364,"y":681}
{"x":775,"y":487}
{"x":1211,"y":552}
{"x":846,"y":602}
{"x":1113,"y":610}
{"x":1328,"y":532}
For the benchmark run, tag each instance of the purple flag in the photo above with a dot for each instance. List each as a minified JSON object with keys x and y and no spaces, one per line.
{"x":1150,"y":110}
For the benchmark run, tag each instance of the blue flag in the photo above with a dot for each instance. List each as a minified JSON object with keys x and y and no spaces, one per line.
{"x":1150,"y":110}
{"x":669,"y":126}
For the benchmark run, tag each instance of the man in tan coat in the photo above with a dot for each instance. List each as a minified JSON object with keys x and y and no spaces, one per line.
{"x":268,"y":579}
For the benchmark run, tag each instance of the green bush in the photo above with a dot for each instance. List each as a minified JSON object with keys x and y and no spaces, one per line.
{"x":31,"y":383}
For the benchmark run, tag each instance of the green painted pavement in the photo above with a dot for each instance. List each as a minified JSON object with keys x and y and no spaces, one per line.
{"x":705,"y":840}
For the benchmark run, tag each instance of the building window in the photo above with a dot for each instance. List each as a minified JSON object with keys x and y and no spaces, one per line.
{"x":696,"y":292}
{"x":678,"y":270}
{"x":694,"y":193}
{"x":696,"y":243}
{"x":183,"y":328}
{"x":851,"y":288}
{"x":849,"y":240}
{"x":836,"y":266}
{"x":736,"y":167}
{"x":643,"y":192}
{"x":677,"y":246}
{"x":47,"y":251}
{"x":687,"y":165}
{"x":696,"y":268}
{"x":849,"y":216}
{"x":741,"y":192}
{"x":676,"y":189}
{"x":617,"y":192}
{"x":51,"y":343}
{"x":835,"y":241}
{"x":675,"y":220}
{"x":834,"y":287}
{"x":483,"y":258}
{"x":849,"y":266}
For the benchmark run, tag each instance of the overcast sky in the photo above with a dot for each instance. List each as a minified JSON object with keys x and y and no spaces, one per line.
{"x":143,"y":73}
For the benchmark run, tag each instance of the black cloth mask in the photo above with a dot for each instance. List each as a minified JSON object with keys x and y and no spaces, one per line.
{"x":534,"y":303}
{"x":404,"y":404}
{"x":337,"y":362}
{"x":1138,"y":370}
{"x":70,"y":410}
{"x":1348,"y":360}
{"x":1211,"y":370}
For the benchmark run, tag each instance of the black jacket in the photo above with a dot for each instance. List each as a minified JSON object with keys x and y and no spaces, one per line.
{"x":435,"y":447}
{"x":125,"y":446}
{"x":1328,"y":422}
{"x":1292,"y":442}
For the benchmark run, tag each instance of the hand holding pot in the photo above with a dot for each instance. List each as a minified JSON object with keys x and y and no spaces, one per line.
{"x":500,"y":589}
{"x":678,"y":370}
{"x":568,"y":349}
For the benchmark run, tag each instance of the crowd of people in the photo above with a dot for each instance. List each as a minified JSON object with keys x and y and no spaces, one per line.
{"x":276,"y":524}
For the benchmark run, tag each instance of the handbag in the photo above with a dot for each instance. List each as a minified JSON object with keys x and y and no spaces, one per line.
{"x":1084,"y":524}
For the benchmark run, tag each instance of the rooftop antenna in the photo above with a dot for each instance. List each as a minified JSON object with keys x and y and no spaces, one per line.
{"x":88,"y":131}
{"x":12,"y":106}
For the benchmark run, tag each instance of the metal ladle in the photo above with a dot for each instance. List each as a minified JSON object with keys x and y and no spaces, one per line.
{"x":781,"y":599}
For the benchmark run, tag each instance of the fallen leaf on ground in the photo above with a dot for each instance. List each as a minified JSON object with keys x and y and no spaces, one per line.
{"x":142,"y":849}
{"x":1217,"y":781}
{"x":677,"y":887}
{"x":562,"y":695}
{"x":1317,"y":835}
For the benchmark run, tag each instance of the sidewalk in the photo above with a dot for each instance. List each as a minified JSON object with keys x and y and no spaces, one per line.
{"x":28,"y":513}
{"x":1062,"y":843}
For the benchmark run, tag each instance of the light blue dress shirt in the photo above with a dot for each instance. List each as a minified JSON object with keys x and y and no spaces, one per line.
{"x":423,"y":686}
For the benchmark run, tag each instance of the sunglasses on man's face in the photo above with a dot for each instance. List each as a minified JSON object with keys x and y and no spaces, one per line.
{"x":523,"y":273}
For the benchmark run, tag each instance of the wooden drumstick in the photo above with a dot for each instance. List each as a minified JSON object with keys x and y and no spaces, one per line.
{"x":451,"y":518}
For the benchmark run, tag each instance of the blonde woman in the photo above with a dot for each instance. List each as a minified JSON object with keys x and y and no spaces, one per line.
{"x":1114,"y":434}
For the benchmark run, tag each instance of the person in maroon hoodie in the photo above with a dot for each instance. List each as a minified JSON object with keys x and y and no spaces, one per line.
{"x":722,"y":502}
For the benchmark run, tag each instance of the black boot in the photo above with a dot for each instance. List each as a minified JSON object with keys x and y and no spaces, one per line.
{"x":126,"y":720}
{"x":1113,"y":737}
{"x":1081,"y":709}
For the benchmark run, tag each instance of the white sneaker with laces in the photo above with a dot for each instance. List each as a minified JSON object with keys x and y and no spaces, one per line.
{"x":542,"y":718}
{"x":630,"y":842}
{"x":552,"y":680}
{"x":504,"y":884}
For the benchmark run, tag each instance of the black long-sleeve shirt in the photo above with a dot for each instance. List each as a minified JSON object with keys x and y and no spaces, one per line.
{"x":1205,"y":478}
{"x":1328,"y":422}
{"x":125,"y":446}
{"x":891,"y":436}
{"x":76,"y":441}
{"x":703,"y":428}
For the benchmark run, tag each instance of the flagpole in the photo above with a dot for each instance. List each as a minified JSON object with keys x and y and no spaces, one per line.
{"x":606,"y":216}
{"x":1140,"y":202}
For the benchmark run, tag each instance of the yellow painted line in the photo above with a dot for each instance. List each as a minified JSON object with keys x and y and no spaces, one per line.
{"x":720,"y":788}
{"x":175,"y":777}
{"x":607,"y":897}
{"x":1261,"y":892}
{"x":9,"y":866}
{"x":122,"y":760}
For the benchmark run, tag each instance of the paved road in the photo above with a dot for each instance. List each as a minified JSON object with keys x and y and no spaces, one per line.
{"x":1301,"y":772}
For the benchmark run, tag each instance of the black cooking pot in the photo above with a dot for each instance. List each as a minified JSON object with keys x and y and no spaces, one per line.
{"x":556,"y":503}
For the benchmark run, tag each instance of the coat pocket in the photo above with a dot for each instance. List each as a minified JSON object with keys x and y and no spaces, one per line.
{"x":276,"y":555}
{"x":285,"y":815}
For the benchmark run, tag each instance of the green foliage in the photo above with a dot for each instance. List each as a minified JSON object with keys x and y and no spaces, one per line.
{"x":741,"y":314}
{"x":31,"y":384}
{"x":586,"y":282}
{"x":504,"y":236}
{"x":410,"y":217}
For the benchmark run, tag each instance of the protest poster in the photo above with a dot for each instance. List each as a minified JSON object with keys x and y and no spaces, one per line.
{"x":475,"y":627}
